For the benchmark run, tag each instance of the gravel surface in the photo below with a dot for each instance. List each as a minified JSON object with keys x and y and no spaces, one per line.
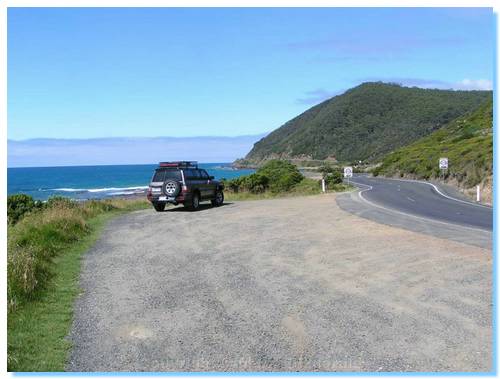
{"x":279,"y":285}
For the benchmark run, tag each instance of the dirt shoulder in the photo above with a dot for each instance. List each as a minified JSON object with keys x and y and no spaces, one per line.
{"x":279,"y":285}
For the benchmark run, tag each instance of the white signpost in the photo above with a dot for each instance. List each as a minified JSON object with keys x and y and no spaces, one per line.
{"x":348,"y":173}
{"x":443,"y":163}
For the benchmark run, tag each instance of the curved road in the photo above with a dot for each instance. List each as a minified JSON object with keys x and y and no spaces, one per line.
{"x":423,"y":200}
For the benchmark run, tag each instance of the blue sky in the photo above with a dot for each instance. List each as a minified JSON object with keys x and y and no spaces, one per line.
{"x":135,"y":150}
{"x":111,"y":72}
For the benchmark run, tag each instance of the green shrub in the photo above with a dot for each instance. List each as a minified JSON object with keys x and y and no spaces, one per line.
{"x":20,"y":205}
{"x":276,"y":176}
{"x":233,"y":185}
{"x":333,"y":178}
{"x":282,"y":175}
{"x":254,"y":183}
{"x":326,"y":169}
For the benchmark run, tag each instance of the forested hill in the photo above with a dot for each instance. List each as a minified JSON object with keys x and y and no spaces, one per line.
{"x":467,"y":142}
{"x":365,"y":123}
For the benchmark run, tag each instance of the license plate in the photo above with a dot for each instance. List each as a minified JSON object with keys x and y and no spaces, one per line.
{"x":162,"y":198}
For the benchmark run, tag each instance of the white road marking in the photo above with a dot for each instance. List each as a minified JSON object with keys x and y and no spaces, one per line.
{"x":360,"y":194}
{"x":409,"y":198}
{"x":441,"y":193}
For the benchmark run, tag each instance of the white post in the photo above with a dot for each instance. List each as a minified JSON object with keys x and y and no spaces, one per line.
{"x":323,"y":186}
{"x":478,"y":193}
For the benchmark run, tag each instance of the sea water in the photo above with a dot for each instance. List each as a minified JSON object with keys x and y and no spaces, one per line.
{"x":95,"y":182}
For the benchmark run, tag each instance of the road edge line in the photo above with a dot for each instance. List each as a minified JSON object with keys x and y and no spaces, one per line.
{"x":410,"y":215}
{"x":441,"y":193}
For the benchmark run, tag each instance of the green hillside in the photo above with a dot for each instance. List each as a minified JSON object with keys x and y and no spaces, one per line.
{"x":467,"y":142}
{"x":365,"y":123}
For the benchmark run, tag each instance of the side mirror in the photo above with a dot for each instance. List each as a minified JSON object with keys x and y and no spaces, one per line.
{"x":210,"y":177}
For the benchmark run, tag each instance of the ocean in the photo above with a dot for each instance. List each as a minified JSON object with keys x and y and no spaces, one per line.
{"x":95,"y":182}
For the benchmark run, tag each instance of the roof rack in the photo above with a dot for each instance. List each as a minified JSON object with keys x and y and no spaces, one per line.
{"x":180,"y":164}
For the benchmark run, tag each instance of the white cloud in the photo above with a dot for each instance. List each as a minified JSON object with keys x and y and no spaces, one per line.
{"x":471,"y":84}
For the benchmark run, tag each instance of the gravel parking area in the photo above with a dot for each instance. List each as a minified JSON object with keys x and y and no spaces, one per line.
{"x":292,"y":284}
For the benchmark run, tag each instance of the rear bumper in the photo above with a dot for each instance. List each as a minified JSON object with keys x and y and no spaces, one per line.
{"x":179,"y":199}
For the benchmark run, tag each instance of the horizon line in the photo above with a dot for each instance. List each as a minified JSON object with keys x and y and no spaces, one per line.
{"x":115,"y":164}
{"x":130,"y":137}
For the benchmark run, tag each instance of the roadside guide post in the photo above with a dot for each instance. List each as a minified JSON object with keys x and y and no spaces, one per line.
{"x":323,"y":185}
{"x":443,"y":165}
{"x":348,"y":173}
{"x":478,"y":193}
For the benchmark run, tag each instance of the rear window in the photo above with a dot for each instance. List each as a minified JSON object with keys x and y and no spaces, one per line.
{"x":162,"y":174}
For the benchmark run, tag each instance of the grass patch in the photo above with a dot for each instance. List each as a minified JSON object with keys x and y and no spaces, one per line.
{"x":44,"y":268}
{"x":305,"y":187}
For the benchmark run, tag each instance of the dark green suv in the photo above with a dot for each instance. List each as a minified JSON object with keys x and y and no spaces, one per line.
{"x":183,"y":183}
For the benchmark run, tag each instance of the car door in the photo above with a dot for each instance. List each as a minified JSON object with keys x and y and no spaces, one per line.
{"x":193,"y":178}
{"x":205,"y":188}
{"x":195,"y":182}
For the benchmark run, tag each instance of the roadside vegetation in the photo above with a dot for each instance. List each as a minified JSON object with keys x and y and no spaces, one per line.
{"x":45,"y":243}
{"x":280,"y":178}
{"x":467,"y":142}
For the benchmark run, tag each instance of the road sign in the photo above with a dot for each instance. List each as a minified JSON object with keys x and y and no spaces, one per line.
{"x":443,"y":163}
{"x":347,"y":172}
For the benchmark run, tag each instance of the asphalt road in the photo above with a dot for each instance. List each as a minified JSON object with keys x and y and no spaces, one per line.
{"x":421,"y":199}
{"x":293,"y":284}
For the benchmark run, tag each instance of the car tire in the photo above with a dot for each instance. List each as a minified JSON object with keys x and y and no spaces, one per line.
{"x":159,"y":207}
{"x":171,"y":188}
{"x":219,"y":198}
{"x":194,"y":204}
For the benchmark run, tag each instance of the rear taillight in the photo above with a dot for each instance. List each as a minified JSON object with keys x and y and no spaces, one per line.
{"x":149,"y":194}
{"x":184,"y":189}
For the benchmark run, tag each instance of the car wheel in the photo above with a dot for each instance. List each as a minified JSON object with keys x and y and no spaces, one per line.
{"x":159,"y":207}
{"x":219,"y":198}
{"x":172,"y":188}
{"x":195,"y":202}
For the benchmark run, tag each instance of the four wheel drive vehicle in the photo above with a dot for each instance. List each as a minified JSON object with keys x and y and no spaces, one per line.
{"x":183,"y":183}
